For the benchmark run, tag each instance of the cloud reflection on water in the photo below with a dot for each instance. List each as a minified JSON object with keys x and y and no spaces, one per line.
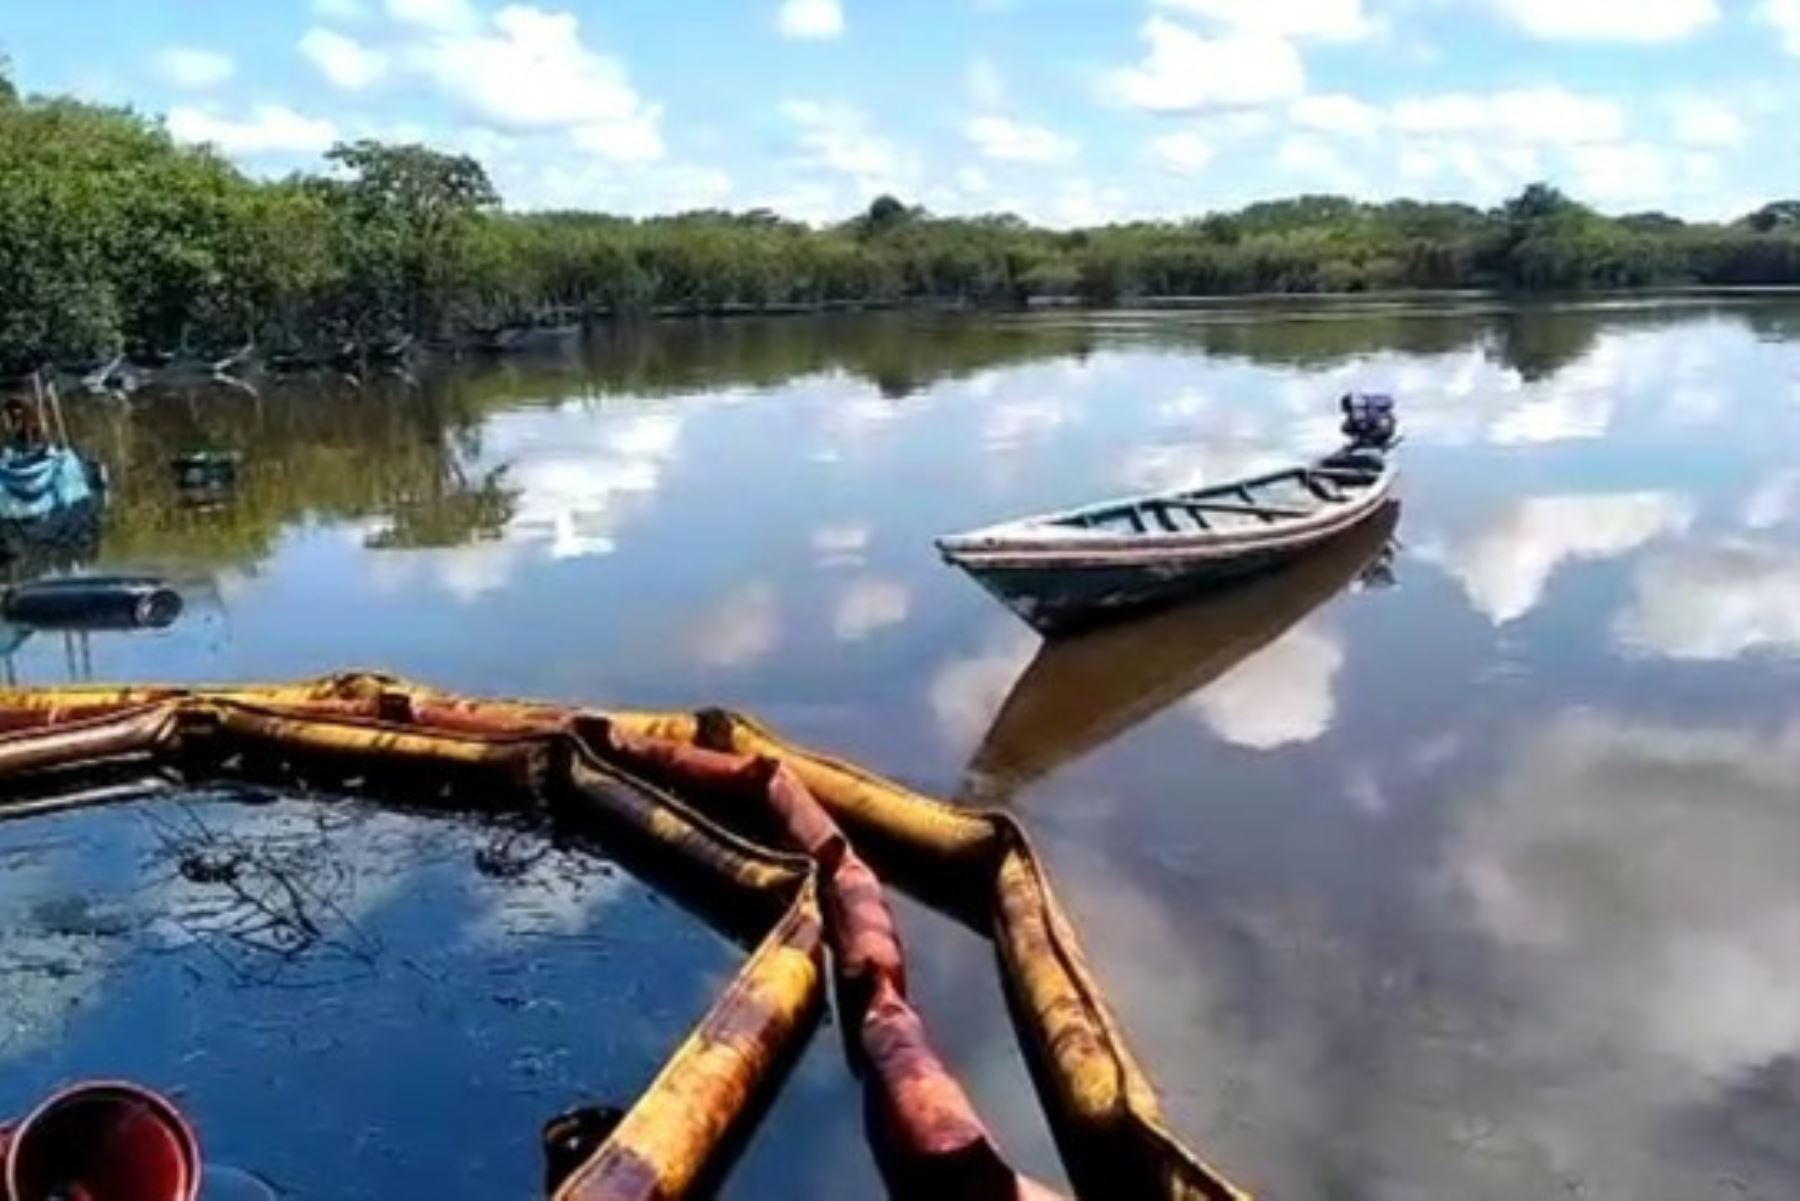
{"x":868,"y":605}
{"x":843,"y":543}
{"x":1716,"y":600}
{"x":1577,"y":981}
{"x":574,"y":476}
{"x":1505,"y":565}
{"x":1638,"y":883}
{"x":1281,"y":695}
{"x":965,"y":692}
{"x":740,"y":629}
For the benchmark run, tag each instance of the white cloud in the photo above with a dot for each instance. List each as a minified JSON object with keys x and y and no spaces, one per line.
{"x":1478,"y":169}
{"x":1620,"y":173}
{"x":986,"y":86}
{"x":815,"y":19}
{"x":1505,"y":566}
{"x":1079,"y":201}
{"x":271,"y":128}
{"x":1330,"y":20}
{"x":1334,"y":112}
{"x":1774,"y":501}
{"x":1702,"y":121}
{"x":1784,"y":17}
{"x":1015,"y":141}
{"x":1184,"y":71}
{"x":1183,"y":152}
{"x":867,"y":605}
{"x":1542,"y":114}
{"x":445,"y":16}
{"x":343,"y":61}
{"x":810,"y":200}
{"x":1610,"y":20}
{"x":840,"y":138}
{"x":1318,"y":160}
{"x":530,"y":70}
{"x":194,"y":68}
{"x":973,"y":180}
{"x":1281,"y":695}
{"x":633,"y":141}
{"x":549,"y":178}
{"x":1716,"y":601}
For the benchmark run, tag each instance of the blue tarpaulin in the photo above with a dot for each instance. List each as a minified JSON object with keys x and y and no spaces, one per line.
{"x":37,"y":483}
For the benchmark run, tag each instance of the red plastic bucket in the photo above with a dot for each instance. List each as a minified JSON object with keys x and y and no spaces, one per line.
{"x":102,"y":1141}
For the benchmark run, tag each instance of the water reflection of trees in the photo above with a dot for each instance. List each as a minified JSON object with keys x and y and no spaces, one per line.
{"x":406,"y":450}
{"x":1539,"y":341}
{"x":326,"y":451}
{"x":898,"y":352}
{"x":456,"y":512}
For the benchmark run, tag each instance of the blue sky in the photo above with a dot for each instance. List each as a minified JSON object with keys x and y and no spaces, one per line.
{"x":1067,"y":111}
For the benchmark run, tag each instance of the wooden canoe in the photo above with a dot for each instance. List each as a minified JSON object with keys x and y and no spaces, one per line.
{"x":1081,"y":692}
{"x":1082,"y":566}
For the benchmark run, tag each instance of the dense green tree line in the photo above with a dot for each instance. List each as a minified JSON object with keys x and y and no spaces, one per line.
{"x":112,"y":237}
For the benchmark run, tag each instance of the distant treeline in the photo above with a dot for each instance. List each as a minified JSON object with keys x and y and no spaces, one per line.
{"x":112,"y":237}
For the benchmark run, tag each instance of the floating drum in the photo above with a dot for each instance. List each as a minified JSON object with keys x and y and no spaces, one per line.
{"x":109,"y":1141}
{"x":206,"y":477}
{"x":92,"y":603}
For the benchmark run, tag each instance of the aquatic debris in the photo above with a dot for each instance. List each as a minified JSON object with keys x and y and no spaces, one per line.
{"x":208,"y":867}
{"x":206,"y":478}
{"x":507,"y":858}
{"x":92,"y":603}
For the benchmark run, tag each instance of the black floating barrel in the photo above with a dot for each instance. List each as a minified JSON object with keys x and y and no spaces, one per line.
{"x":92,"y":603}
{"x":206,"y":470}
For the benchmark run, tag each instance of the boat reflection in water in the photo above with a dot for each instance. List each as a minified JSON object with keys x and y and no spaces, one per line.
{"x":1081,"y":692}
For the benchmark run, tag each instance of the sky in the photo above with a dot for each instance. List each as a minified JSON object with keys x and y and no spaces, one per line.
{"x":1068,"y":112}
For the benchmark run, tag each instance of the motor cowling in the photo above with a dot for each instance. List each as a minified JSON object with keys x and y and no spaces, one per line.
{"x":1370,"y":421}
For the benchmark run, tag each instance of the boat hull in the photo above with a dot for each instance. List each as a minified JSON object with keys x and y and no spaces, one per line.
{"x":1059,"y":599}
{"x":1070,"y":583}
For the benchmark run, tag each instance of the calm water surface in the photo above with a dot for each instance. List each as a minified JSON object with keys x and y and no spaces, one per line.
{"x":1475,"y":880}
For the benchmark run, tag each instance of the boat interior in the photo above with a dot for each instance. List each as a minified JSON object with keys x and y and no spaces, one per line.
{"x":1292,"y":495}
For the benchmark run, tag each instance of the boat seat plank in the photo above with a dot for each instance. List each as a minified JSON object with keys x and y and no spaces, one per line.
{"x":1323,"y":488}
{"x":1346,"y":475}
{"x":1266,"y":512}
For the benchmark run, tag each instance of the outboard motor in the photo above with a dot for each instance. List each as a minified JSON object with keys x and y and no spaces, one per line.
{"x":1369,"y":421}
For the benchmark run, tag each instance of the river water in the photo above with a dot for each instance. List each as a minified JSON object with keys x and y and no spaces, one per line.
{"x":1471,"y":876}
